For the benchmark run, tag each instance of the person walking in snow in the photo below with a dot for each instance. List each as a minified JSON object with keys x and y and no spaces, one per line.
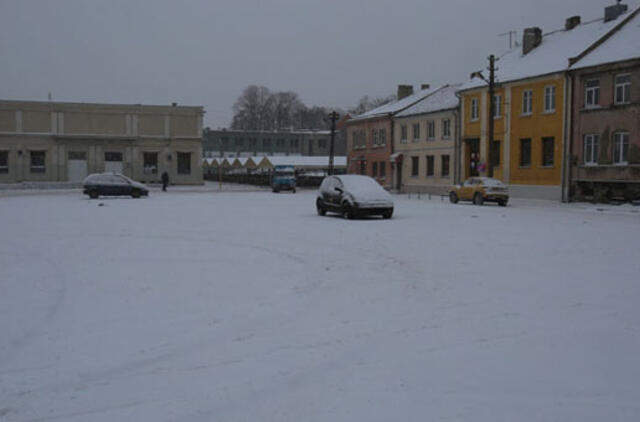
{"x":165,"y":181}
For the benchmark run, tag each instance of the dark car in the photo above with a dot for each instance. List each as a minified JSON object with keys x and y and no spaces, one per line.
{"x":112,"y":184}
{"x":352,"y":196}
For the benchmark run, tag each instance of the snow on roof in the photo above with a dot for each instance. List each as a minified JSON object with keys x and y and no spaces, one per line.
{"x":551,"y":56}
{"x":394,"y":106}
{"x":442,"y":99}
{"x":623,"y":45}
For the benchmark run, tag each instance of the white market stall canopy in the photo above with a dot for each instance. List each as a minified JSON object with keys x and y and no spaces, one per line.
{"x":268,"y":162}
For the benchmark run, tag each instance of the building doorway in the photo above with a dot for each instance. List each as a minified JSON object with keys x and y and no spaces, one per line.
{"x":76,"y":166}
{"x":472,"y":155}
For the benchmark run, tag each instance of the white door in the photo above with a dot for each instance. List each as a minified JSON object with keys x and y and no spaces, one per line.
{"x":77,"y":166}
{"x":113,"y":166}
{"x":113,"y":162}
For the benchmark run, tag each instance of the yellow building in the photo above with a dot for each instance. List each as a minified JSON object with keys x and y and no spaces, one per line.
{"x":531,"y":117}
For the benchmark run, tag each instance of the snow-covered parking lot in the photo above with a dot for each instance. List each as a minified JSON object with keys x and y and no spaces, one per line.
{"x":247,"y":306}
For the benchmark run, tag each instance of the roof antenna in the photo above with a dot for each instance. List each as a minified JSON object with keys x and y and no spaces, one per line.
{"x":513,"y":38}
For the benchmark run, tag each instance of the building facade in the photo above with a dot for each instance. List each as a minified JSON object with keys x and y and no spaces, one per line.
{"x":370,"y":139}
{"x":425,"y":142}
{"x":64,"y":142}
{"x":252,"y":143}
{"x":605,"y":131}
{"x":532,"y":111}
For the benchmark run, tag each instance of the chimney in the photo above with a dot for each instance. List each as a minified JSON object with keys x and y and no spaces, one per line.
{"x":531,"y":38}
{"x":571,"y":22}
{"x":404,"y":91}
{"x":612,"y":12}
{"x":424,"y":86}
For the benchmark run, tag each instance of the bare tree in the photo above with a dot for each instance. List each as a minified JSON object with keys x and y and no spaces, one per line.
{"x":365,"y":104}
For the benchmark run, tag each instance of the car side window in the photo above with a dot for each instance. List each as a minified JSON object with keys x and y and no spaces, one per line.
{"x":121,"y":180}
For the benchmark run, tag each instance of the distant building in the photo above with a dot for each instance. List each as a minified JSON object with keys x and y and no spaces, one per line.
{"x":371,"y":139}
{"x":246,"y":143}
{"x":57,"y":141}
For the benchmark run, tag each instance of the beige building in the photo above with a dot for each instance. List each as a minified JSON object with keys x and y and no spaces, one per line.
{"x":64,"y":142}
{"x":425,"y":142}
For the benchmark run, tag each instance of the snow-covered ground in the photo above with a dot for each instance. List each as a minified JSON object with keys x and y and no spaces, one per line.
{"x":247,"y":306}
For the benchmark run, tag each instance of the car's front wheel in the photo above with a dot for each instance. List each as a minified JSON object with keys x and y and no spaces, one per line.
{"x":347,"y":211}
{"x":135,"y":193}
{"x":478,"y":199}
{"x":453,"y":197}
{"x":502,"y":202}
{"x":320,"y":209}
{"x":387,"y":214}
{"x":93,"y":194}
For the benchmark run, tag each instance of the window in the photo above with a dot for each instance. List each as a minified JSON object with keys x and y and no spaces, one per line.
{"x":280,"y":143}
{"x":225,"y":142}
{"x":253,"y":143}
{"x":112,"y":156}
{"x":495,"y":154}
{"x":446,"y":128}
{"x":620,"y":148}
{"x":497,"y":104}
{"x":293,"y":143}
{"x":592,"y":93}
{"x":623,"y":89}
{"x":415,"y":163}
{"x":591,"y":149}
{"x":38,"y":161}
{"x":4,"y":162}
{"x":374,"y":137}
{"x":430,"y":169}
{"x":266,"y":143}
{"x":150,"y":163}
{"x":322,"y":143}
{"x":239,"y":142}
{"x":383,"y":169}
{"x":474,"y":109}
{"x":527,"y":102}
{"x":383,"y":137}
{"x":547,"y":152}
{"x":445,"y":166}
{"x":403,"y":134}
{"x":416,"y":132}
{"x":431,"y":129}
{"x":525,"y":152}
{"x":374,"y":169}
{"x":549,"y":99}
{"x":184,"y":163}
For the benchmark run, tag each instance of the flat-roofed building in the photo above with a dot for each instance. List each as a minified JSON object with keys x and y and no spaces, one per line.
{"x":60,"y":141}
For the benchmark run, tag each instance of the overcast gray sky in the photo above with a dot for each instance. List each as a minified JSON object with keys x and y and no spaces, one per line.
{"x":204,"y":52}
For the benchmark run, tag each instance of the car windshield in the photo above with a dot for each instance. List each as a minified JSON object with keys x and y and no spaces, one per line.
{"x":354,"y":183}
{"x":491,"y":182}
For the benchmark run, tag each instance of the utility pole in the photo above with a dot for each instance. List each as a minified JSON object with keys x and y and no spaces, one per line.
{"x":492,"y":110}
{"x":333,"y":116}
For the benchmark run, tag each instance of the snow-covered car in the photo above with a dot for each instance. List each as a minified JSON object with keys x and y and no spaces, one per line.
{"x":112,"y":184}
{"x":479,"y":190}
{"x":353,"y":195}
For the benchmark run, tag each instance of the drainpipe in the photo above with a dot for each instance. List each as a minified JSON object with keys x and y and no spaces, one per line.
{"x":456,"y":148}
{"x":567,"y":148}
{"x":391,"y":143}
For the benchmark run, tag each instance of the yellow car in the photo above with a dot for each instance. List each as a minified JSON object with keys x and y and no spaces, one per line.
{"x":479,"y":190}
